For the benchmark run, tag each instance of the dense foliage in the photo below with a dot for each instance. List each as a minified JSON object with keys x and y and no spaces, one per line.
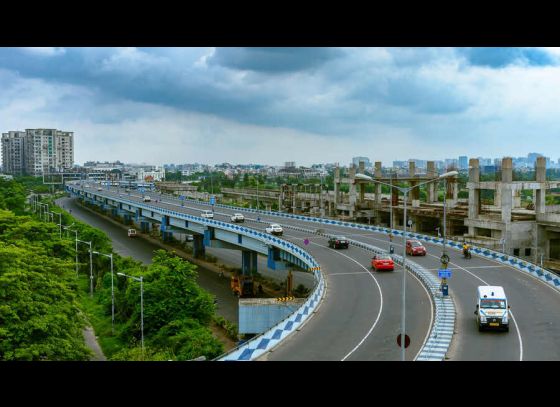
{"x":43,"y":304}
{"x":39,"y":314}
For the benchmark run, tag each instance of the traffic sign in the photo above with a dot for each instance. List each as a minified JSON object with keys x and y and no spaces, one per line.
{"x":444,"y":258}
{"x":212,"y":200}
{"x":406,"y":340}
{"x":444,"y":273}
{"x":182,"y":197}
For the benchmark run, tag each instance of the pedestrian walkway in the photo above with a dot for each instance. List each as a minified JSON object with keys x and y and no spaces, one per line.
{"x":91,"y":342}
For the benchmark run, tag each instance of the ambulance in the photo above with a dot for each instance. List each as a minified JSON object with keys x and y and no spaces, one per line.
{"x":492,"y":308}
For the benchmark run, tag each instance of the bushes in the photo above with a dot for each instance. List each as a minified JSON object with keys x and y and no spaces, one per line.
{"x":230,"y":328}
{"x":39,"y":315}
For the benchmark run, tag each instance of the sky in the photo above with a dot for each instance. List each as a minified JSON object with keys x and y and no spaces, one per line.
{"x":272,"y":105}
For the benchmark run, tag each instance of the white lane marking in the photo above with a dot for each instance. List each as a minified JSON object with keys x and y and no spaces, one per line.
{"x":475,"y":276}
{"x":380,"y":295}
{"x":431,"y":309}
{"x":512,"y":315}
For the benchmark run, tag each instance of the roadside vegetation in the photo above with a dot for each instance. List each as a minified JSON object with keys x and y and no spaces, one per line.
{"x":44,"y":305}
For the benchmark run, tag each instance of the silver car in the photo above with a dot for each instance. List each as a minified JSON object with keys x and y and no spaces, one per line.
{"x":275,"y":229}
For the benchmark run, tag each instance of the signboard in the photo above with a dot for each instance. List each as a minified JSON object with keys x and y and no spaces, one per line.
{"x":182,"y":197}
{"x":406,"y":340}
{"x":444,"y":273}
{"x":212,"y":200}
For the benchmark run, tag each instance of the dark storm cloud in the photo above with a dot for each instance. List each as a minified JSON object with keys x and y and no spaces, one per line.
{"x":273,"y":60}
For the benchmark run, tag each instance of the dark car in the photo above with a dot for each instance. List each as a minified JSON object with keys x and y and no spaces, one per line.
{"x":337,"y":242}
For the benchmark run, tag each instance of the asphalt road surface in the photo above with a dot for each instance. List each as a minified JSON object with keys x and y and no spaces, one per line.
{"x":361,"y":314}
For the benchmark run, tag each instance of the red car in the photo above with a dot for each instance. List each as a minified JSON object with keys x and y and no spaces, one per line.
{"x":382,"y":262}
{"x":415,"y":248}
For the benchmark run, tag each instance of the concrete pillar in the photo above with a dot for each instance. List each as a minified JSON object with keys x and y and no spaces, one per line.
{"x":498,"y":197}
{"x":507,"y":169}
{"x":248,"y":262}
{"x":540,"y":194}
{"x":352,"y":198}
{"x":541,"y":169}
{"x":198,"y":246}
{"x":411,"y":168}
{"x":507,"y":202}
{"x":474,"y":170}
{"x":362,"y":192}
{"x":378,"y":171}
{"x":451,"y":191}
{"x":336,"y":185}
{"x":414,"y":194}
{"x":474,"y":192}
{"x":432,"y":190}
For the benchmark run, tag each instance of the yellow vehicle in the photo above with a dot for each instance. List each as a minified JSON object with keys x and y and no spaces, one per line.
{"x":242,"y":286}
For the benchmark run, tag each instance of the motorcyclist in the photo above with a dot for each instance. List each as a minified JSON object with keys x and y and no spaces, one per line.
{"x":466,"y":250}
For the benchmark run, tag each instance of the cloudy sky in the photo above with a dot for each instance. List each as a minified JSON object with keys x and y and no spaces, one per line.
{"x":271,"y":105}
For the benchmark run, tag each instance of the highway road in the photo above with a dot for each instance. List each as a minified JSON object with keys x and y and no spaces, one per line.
{"x":535,"y":307}
{"x":142,"y":250}
{"x":360,"y":316}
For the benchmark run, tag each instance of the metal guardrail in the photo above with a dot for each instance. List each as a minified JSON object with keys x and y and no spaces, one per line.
{"x":530,"y":268}
{"x":441,"y":333}
{"x":254,"y":348}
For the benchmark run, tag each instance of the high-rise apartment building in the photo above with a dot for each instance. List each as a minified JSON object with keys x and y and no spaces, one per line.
{"x":12,"y":152}
{"x":36,"y":151}
{"x":463,"y":162}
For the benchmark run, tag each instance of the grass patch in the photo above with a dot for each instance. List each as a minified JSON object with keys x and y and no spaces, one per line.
{"x":101,"y":323}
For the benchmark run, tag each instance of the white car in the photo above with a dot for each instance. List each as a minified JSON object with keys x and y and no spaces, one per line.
{"x":147,"y":198}
{"x":237,"y":217}
{"x":274,"y":229}
{"x":207,"y":214}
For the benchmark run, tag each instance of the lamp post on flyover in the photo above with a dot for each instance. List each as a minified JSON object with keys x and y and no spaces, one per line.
{"x":405,"y":191}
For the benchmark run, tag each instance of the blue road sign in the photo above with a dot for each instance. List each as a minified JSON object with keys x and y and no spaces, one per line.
{"x":182,"y":197}
{"x":444,"y":273}
{"x":212,"y":200}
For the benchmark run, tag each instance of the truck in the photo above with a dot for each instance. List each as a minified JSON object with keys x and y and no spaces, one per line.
{"x":492,"y":308}
{"x":242,"y":285}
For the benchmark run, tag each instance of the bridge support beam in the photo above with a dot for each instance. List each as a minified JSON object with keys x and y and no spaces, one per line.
{"x":198,"y":246}
{"x":248,"y":262}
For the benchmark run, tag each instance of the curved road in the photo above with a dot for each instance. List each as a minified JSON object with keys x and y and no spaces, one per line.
{"x":360,"y":316}
{"x":535,"y":323}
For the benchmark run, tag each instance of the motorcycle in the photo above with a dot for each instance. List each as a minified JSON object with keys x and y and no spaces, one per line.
{"x":466,"y":254}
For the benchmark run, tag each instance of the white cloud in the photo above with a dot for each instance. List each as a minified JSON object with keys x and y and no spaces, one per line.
{"x":44,"y":51}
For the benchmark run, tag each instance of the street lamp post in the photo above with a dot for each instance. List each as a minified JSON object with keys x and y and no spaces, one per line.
{"x":405,"y":191}
{"x":59,"y":223}
{"x":76,"y":232}
{"x":141,"y":304}
{"x":112,"y":291}
{"x":90,"y":266}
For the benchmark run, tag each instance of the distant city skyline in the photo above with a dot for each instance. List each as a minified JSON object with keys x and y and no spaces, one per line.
{"x":308,"y":105}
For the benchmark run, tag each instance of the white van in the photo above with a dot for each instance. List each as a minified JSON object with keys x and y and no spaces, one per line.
{"x":207,"y":214}
{"x":492,"y":308}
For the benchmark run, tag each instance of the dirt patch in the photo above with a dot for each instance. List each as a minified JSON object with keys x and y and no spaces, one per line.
{"x":220,"y":334}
